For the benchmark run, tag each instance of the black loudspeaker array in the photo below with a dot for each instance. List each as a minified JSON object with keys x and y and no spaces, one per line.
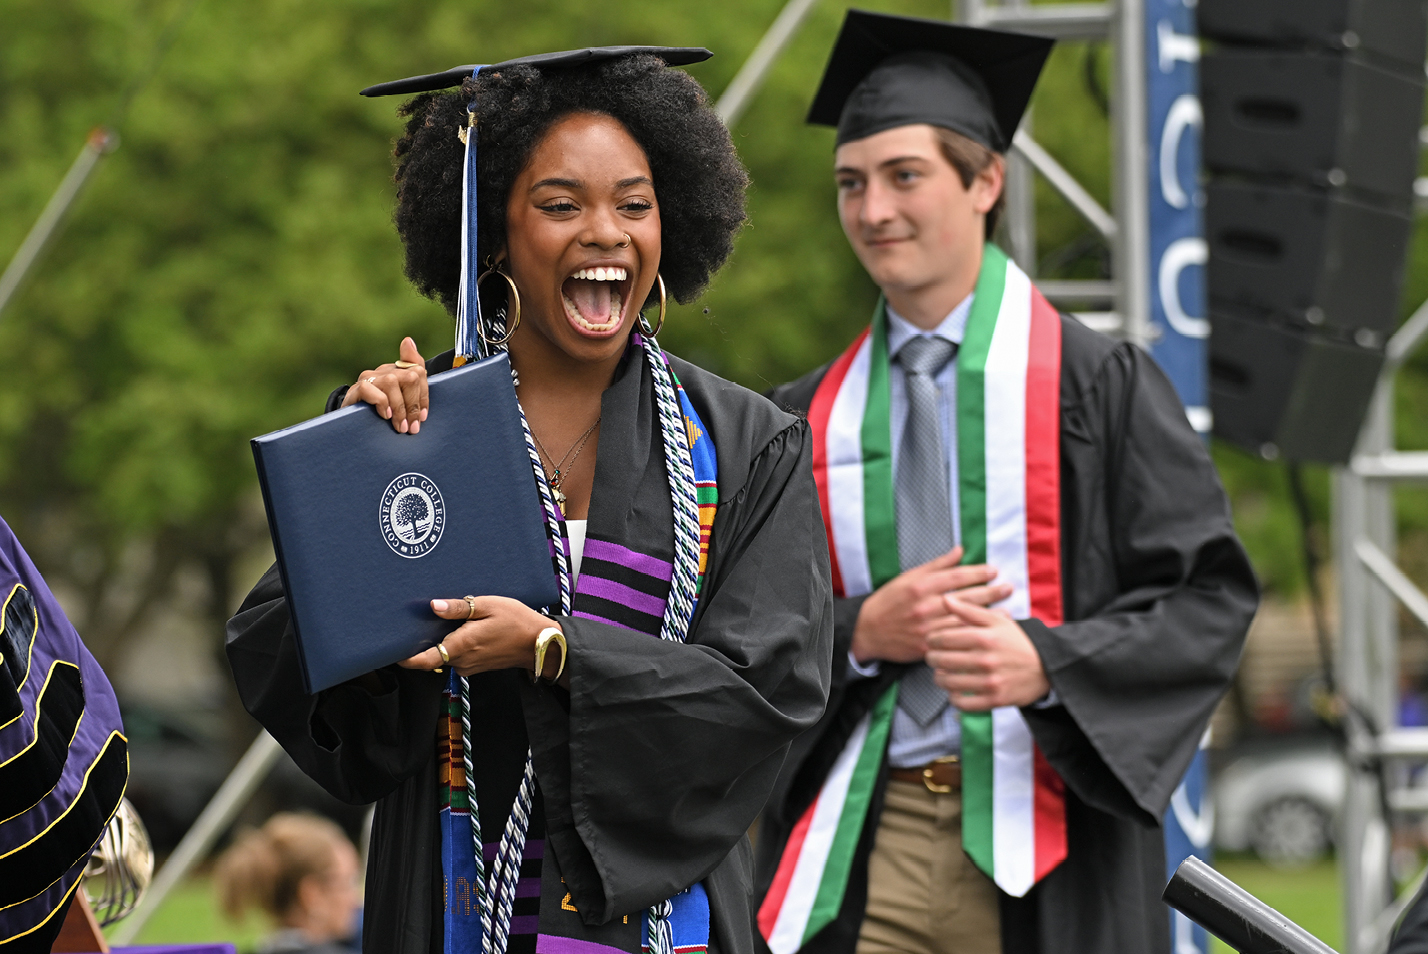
{"x":1312,"y":112}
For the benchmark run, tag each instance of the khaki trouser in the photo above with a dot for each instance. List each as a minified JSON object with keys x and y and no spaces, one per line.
{"x":924,"y":894}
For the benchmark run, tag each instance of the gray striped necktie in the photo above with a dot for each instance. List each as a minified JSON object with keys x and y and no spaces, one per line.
{"x":924,"y":509}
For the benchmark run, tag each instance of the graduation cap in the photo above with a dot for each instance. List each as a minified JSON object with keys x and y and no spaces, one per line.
{"x":469,"y":341}
{"x":672,"y":56}
{"x":887,"y":71}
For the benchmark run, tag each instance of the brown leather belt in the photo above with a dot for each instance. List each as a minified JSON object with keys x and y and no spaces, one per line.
{"x":940,"y":776}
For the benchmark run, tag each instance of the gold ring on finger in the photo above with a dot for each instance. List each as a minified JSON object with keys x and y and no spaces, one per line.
{"x":403,"y":365}
{"x":445,"y":656}
{"x":470,"y":606}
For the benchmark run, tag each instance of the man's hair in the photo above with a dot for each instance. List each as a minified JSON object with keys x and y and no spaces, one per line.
{"x":969,"y":157}
{"x":698,"y":179}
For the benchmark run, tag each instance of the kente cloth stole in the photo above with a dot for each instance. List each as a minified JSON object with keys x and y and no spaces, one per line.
{"x":1008,"y":454}
{"x":629,"y":589}
{"x":622,"y":587}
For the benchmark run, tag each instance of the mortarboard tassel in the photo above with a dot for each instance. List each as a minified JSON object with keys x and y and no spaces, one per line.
{"x":468,"y":297}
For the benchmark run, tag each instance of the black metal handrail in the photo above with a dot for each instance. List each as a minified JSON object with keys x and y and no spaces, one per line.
{"x":1234,"y":915}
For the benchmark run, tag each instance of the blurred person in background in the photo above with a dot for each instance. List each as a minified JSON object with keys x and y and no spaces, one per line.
{"x":1039,"y":594}
{"x":302,"y":872}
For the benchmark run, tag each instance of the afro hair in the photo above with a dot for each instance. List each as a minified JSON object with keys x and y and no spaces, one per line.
{"x":699,"y":181}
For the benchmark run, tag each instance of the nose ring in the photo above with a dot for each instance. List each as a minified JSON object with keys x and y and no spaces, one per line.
{"x":626,"y":243}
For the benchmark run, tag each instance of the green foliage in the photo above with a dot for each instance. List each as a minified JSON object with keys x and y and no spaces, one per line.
{"x":235,"y":260}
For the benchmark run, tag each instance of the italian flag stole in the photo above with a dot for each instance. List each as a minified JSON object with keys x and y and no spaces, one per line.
{"x":1008,"y":473}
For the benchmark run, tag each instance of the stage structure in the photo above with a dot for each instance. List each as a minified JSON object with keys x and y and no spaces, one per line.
{"x":1371,"y":590}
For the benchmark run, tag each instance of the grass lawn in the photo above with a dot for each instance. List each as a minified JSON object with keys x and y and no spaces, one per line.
{"x":1309,"y":896}
{"x":190,"y":914}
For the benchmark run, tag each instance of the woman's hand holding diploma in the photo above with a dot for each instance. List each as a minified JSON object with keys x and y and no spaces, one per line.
{"x":397,"y":390}
{"x":499,"y":633}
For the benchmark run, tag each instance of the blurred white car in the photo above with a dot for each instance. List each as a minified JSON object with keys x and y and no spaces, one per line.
{"x":1283,"y":804}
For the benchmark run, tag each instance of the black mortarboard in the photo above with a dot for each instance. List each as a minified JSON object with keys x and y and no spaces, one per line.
{"x":888,"y":71}
{"x":672,"y":56}
{"x":469,"y":339}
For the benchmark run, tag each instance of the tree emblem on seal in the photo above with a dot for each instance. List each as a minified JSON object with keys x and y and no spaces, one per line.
{"x":412,"y":516}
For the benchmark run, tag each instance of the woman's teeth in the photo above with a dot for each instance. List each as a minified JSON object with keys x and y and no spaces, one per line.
{"x":592,"y":300}
{"x":612,"y":274}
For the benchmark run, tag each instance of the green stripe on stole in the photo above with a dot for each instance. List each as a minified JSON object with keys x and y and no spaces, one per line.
{"x":879,"y":506}
{"x":972,"y":497}
{"x":834,"y":883}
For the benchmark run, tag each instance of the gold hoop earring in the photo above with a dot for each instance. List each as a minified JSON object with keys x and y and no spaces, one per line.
{"x":515,"y":296}
{"x":645,"y":322}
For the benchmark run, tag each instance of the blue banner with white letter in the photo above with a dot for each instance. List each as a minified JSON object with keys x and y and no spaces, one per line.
{"x":1179,"y":329}
{"x":1179,"y":323}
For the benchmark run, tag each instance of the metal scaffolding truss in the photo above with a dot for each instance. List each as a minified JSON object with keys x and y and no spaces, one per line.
{"x":1371,"y":589}
{"x":1123,"y":301}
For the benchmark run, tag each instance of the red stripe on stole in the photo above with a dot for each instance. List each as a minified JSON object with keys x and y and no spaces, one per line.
{"x":1043,"y":462}
{"x":1050,"y":809}
{"x":787,"y":862}
{"x":820,"y":409}
{"x":1043,"y":545}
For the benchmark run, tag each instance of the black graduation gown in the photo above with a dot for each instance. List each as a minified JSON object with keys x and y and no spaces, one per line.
{"x":656,"y":762}
{"x":1158,"y":597}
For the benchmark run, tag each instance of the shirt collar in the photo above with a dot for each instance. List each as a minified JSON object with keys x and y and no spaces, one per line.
{"x":900,"y":330}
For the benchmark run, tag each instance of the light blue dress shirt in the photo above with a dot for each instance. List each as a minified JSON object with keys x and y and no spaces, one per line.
{"x":910,"y":744}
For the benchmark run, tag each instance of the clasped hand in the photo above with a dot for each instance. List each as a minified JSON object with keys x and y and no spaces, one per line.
{"x":939,"y":613}
{"x":499,"y":633}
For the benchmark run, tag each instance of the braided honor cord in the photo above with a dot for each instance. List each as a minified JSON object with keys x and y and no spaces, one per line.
{"x":684,"y":583}
{"x":496,"y":892}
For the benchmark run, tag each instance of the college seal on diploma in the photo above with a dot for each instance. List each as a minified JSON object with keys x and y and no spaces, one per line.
{"x":412,"y":516}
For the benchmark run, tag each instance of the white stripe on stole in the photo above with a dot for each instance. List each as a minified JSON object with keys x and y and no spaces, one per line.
{"x":845,"y":474}
{"x":787,"y":935}
{"x":1013,"y":767}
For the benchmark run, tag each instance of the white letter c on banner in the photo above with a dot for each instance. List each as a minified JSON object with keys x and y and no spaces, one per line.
{"x":1181,"y":254}
{"x":1184,"y":113}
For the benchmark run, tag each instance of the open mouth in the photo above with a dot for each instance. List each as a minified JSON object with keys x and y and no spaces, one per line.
{"x":595,"y":298}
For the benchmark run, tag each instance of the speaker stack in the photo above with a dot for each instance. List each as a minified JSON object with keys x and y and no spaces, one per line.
{"x":1312,"y":110}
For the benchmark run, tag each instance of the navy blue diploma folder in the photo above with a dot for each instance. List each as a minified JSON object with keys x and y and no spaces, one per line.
{"x":370,"y":525}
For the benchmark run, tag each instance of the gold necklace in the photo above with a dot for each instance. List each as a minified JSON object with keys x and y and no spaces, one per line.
{"x":561,"y":471}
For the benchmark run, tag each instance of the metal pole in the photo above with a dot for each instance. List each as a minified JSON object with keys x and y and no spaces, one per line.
{"x":1131,"y":250}
{"x":1368,"y":671}
{"x":1065,"y":183}
{"x":225,"y":805}
{"x":101,"y":140}
{"x":751,"y":75}
{"x":1021,"y":206}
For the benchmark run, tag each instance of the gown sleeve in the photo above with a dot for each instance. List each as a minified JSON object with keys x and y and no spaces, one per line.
{"x":1158,"y":588}
{"x":659,"y":759}
{"x":358,"y":740}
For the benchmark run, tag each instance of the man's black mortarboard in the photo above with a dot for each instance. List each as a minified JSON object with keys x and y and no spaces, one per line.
{"x":672,"y":56}
{"x":469,"y":340}
{"x":888,"y":71}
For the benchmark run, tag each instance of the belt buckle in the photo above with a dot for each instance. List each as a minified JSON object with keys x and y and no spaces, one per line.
{"x":929,"y":769}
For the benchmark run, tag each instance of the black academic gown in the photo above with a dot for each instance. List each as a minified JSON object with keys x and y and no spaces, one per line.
{"x":1158,"y":597}
{"x":658,"y":759}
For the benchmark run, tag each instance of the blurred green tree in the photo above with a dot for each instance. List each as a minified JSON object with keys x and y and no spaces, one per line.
{"x":235,"y":259}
